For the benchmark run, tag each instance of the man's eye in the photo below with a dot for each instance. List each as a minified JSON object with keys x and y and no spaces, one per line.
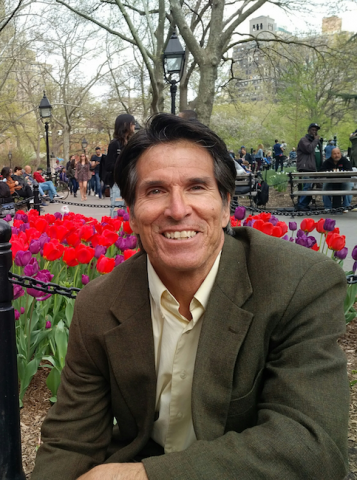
{"x":197,"y":187}
{"x":154,"y":191}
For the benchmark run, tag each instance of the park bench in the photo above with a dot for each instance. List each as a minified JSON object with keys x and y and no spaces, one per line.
{"x":246,"y":186}
{"x":296,"y":179}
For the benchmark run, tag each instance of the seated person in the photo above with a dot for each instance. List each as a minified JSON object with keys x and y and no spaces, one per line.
{"x":45,"y":185}
{"x":5,"y":195}
{"x":340,"y":163}
{"x":14,"y":185}
{"x":31,"y":182}
{"x":210,"y":370}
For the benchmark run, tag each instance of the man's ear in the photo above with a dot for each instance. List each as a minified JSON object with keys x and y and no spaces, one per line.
{"x":226,"y":211}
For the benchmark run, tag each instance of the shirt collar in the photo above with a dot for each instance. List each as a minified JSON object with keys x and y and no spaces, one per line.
{"x":157,"y":288}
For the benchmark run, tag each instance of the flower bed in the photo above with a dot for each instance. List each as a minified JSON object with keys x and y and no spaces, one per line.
{"x":69,"y":250}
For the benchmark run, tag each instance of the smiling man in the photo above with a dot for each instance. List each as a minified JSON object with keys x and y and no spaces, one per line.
{"x":210,"y":371}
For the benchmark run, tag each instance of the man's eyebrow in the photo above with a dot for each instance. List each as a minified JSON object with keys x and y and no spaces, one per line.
{"x":155,"y":183}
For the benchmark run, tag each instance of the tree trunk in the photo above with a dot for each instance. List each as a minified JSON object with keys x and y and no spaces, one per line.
{"x":66,"y":135}
{"x":206,"y":90}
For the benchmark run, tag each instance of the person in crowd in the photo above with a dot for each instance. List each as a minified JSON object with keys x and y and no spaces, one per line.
{"x":259,"y":157}
{"x":95,"y":162}
{"x":27,"y":174}
{"x":45,"y":185}
{"x":124,"y":129}
{"x":353,"y":157}
{"x":205,"y":378}
{"x":91,"y":184}
{"x":21,"y":189}
{"x":71,"y":170}
{"x":305,"y":161}
{"x":340,"y":163}
{"x":328,"y":149}
{"x":18,"y":176}
{"x":246,"y":158}
{"x":268,"y":160}
{"x":292,"y":156}
{"x":83,"y":174}
{"x":279,"y":156}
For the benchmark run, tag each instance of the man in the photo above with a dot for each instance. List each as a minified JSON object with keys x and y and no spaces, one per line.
{"x":328,"y":149}
{"x":31,"y":182}
{"x":340,"y":163}
{"x":292,"y":156}
{"x":278,"y":153}
{"x":305,"y":161}
{"x":206,"y":379}
{"x":45,"y":185}
{"x":95,"y":162}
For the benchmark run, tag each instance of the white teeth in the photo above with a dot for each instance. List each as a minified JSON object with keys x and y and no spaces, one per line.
{"x":180,"y":235}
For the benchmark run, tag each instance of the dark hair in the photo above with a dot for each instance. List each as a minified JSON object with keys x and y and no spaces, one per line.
{"x":166,"y":128}
{"x":188,"y":114}
{"x":5,"y":172}
{"x":276,"y":141}
{"x":40,"y":169}
{"x":122,"y":130}
{"x":17,"y":168}
{"x":97,"y":148}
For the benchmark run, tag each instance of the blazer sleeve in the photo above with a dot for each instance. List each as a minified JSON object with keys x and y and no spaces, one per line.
{"x":302,"y":410}
{"x":83,"y":409}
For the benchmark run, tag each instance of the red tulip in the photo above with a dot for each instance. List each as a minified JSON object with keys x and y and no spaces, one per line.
{"x":335,"y":241}
{"x":129,"y":253}
{"x":73,"y":239}
{"x":32,"y":233}
{"x":111,"y":237}
{"x":86,"y":232}
{"x":40,"y":224}
{"x":84,"y":253}
{"x":283,"y":226}
{"x":105,"y":264}
{"x":277,"y":231}
{"x":258,"y":224}
{"x":266,"y":228}
{"x":70,"y":257}
{"x":308,"y":224}
{"x":17,"y":245}
{"x":320,"y":226}
{"x":127,"y":228}
{"x":315,"y":247}
{"x":53,"y":250}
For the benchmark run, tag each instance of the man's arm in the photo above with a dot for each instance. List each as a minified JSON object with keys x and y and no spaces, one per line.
{"x":308,"y":147}
{"x":302,"y":417}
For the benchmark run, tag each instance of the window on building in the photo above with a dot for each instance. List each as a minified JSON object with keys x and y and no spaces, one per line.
{"x":261,"y":26}
{"x":253,"y":27}
{"x":257,"y":26}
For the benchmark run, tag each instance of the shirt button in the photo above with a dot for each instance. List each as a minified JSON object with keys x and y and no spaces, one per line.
{"x":179,"y":415}
{"x":183,"y":374}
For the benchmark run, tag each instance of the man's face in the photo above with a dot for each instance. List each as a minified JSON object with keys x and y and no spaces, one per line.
{"x":243,"y":150}
{"x":179,"y":213}
{"x":313,"y":131}
{"x":98,"y":152}
{"x":336,"y":155}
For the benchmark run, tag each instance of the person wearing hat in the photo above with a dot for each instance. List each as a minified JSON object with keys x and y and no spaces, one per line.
{"x":306,"y":161}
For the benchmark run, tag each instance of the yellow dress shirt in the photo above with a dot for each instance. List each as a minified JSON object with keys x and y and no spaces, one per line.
{"x":175,"y":341}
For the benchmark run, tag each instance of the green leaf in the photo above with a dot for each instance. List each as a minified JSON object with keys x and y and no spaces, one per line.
{"x":53,"y":381}
{"x":69,"y":311}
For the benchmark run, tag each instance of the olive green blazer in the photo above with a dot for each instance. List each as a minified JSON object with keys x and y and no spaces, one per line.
{"x":270,"y":392}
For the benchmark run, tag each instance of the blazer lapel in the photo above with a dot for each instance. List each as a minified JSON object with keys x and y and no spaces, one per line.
{"x":224,"y":328}
{"x":130,"y":345}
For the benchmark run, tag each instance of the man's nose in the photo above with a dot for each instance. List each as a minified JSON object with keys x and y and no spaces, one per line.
{"x":178,"y":206}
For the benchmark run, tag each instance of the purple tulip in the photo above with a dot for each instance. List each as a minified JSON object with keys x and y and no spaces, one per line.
{"x":8,"y":218}
{"x":48,"y":324}
{"x":121,"y":244}
{"x":354,"y":253}
{"x":132,"y":241}
{"x":285,"y":237}
{"x":43,"y":239}
{"x":341,"y":254}
{"x":14,"y":231}
{"x":35,"y":246}
{"x":354,"y":268}
{"x":248,"y":223}
{"x":118,"y":260}
{"x":24,"y":227}
{"x":22,"y":310}
{"x":31,"y":268}
{"x":58,"y":215}
{"x":17,"y":314}
{"x":291,"y":239}
{"x":99,"y":250}
{"x":300,"y":233}
{"x":85,"y":279}
{"x":310,"y":241}
{"x":18,"y":291}
{"x":44,"y":276}
{"x":329,"y":224}
{"x":126,"y":216}
{"x":120,"y":212}
{"x":273,"y":220}
{"x":239,"y":213}
{"x":22,"y":258}
{"x":292,"y":226}
{"x":301,"y":240}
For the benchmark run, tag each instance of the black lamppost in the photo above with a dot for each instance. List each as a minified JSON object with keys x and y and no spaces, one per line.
{"x":173,"y":63}
{"x":84,"y":145}
{"x":45,"y":114}
{"x":10,"y":157}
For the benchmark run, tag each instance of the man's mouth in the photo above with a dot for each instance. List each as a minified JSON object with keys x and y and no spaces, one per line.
{"x":184,"y":235}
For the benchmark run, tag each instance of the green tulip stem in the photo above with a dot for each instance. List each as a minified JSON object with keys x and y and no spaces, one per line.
{"x":29,"y":331}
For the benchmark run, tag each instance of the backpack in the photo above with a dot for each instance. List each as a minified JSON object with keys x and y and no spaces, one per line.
{"x":262,"y":194}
